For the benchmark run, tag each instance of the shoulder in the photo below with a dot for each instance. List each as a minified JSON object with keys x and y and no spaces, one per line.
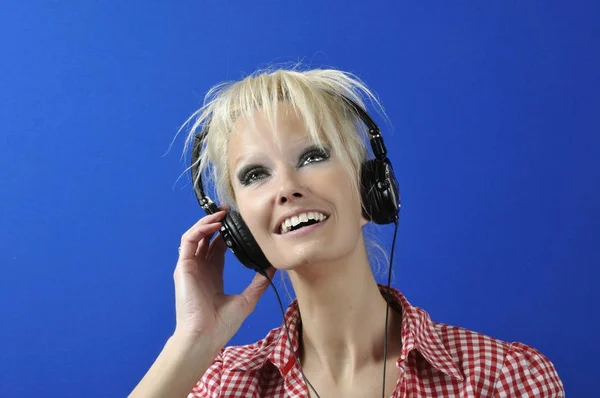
{"x":471,"y":348}
{"x":473,"y":361}
{"x":506,"y":368}
{"x":527,"y":372}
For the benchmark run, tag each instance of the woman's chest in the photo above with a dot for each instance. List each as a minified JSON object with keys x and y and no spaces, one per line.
{"x":368,"y":383}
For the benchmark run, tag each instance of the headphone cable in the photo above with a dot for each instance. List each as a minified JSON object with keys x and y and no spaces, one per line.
{"x":287,"y":330}
{"x":387,"y":308}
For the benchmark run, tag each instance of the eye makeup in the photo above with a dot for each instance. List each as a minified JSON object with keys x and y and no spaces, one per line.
{"x":254,"y":172}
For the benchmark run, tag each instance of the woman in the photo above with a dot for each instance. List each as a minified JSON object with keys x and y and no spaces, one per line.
{"x":283,"y":143}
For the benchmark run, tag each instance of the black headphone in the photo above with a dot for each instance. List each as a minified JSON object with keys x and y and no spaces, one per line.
{"x":379,"y":193}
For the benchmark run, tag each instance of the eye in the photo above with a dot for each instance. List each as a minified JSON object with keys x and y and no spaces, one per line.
{"x":252,"y":175}
{"x":314,"y":155}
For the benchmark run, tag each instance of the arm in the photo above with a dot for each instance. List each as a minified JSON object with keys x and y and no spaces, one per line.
{"x":177,"y":369}
{"x":206,"y":317}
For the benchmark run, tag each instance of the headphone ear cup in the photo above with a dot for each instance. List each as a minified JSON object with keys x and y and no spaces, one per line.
{"x":239,"y":239}
{"x":367,"y":189}
{"x":379,"y":191}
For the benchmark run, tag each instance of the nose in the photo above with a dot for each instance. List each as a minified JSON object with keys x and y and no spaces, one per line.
{"x":290,"y":189}
{"x":284,"y":198}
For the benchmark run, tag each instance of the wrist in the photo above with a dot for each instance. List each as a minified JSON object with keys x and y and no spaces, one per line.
{"x":193,"y":343}
{"x":180,"y":365}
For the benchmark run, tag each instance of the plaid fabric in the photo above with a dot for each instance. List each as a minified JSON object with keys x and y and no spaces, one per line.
{"x":437,"y":360}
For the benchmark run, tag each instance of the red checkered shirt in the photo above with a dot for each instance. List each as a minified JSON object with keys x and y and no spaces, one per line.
{"x":437,"y":360}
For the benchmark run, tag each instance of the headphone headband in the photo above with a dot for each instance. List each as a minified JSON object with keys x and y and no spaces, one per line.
{"x":377,"y":144}
{"x":380,"y":198}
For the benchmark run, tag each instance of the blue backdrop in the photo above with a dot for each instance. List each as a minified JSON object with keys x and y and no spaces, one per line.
{"x":494,"y":110}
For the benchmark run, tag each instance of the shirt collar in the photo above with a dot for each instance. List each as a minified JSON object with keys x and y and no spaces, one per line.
{"x":418,"y":333}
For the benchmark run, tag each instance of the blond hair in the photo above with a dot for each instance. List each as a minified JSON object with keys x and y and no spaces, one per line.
{"x":314,"y":95}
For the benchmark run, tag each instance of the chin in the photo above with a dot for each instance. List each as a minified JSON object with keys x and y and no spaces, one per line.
{"x":297,"y":259}
{"x":303,"y":256}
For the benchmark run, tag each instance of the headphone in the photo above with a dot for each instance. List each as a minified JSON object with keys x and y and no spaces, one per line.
{"x":379,"y":193}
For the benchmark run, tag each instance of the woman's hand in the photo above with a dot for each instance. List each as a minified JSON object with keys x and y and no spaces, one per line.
{"x":203,"y":310}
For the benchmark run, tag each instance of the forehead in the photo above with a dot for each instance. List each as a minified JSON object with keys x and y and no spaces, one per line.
{"x":279,"y":122}
{"x":267,"y":132}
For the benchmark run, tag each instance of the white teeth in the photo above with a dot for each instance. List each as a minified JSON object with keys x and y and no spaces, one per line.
{"x":287,"y":224}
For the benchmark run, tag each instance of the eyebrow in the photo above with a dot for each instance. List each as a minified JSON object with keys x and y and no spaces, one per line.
{"x":246,"y":168}
{"x":299,"y":142}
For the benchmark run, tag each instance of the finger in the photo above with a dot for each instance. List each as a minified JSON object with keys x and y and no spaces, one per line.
{"x":209,"y":218}
{"x":198,"y":227}
{"x":257,"y":287}
{"x":191,"y":239}
{"x":218,"y":244}
{"x":216,"y":252}
{"x":203,"y":246}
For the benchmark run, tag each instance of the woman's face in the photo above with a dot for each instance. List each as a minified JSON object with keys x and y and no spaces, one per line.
{"x":297,"y":199}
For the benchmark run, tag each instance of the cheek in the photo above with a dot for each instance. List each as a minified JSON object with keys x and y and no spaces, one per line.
{"x":254,"y":211}
{"x":347,"y":197}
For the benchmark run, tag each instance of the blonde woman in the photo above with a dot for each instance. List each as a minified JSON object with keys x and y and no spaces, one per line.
{"x":284,"y":143}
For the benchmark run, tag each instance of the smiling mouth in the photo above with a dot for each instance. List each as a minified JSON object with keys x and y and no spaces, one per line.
{"x":301,"y":220}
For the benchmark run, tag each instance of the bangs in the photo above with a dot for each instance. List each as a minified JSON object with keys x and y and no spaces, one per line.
{"x":315,"y":96}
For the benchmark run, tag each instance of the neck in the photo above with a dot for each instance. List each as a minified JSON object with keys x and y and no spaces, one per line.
{"x":343,"y":315}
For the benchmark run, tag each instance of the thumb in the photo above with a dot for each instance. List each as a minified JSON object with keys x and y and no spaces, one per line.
{"x":257,"y":287}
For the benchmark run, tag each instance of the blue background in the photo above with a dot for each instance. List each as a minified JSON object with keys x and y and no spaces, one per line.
{"x":494,"y":110}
